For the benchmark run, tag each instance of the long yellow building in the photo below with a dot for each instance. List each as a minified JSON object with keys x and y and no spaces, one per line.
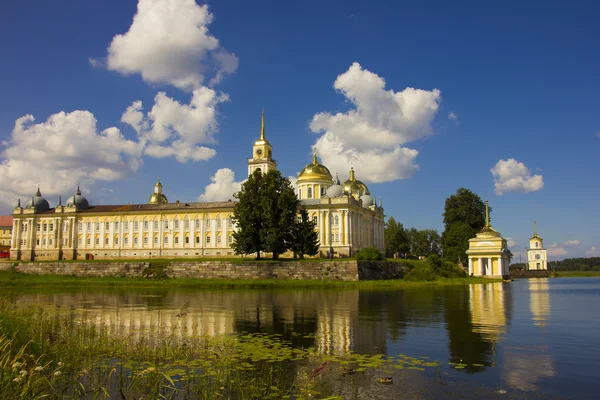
{"x":347,"y":218}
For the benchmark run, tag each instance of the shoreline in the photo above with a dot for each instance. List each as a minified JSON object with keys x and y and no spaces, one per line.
{"x":10,"y":279}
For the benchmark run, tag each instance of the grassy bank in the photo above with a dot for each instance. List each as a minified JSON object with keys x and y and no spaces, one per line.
{"x":16,"y":279}
{"x":575,"y":274}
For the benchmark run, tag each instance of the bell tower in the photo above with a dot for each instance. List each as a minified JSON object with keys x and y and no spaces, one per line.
{"x":537,"y":255}
{"x":262,"y":153}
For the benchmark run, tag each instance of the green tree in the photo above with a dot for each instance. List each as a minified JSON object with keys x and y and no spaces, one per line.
{"x":456,"y":241}
{"x":248,"y":217}
{"x":424,"y":242}
{"x":305,"y":238}
{"x":464,"y":216}
{"x":279,"y":206}
{"x":395,"y":237}
{"x":466,"y":207}
{"x":265,"y":214}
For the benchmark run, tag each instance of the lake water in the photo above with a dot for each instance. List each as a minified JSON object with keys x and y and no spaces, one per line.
{"x":537,"y":338}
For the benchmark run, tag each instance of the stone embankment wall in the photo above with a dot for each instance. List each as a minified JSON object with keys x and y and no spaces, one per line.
{"x":130,"y":269}
{"x":533,"y":273}
{"x":350,"y":270}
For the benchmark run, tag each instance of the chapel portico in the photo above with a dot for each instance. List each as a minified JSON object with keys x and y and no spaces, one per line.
{"x":488,"y":252}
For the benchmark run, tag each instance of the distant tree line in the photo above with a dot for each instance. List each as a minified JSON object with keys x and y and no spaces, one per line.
{"x":569,"y":264}
{"x":410,"y":243}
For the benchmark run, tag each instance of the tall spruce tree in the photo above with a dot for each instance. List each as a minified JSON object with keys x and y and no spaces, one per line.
{"x":264,"y":214}
{"x":305,"y":238}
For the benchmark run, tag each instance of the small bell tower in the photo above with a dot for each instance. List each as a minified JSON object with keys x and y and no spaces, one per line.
{"x":262,"y":153}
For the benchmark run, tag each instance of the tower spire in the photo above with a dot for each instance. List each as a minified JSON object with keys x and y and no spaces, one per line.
{"x":262,"y":126}
{"x":487,"y":214}
{"x":314,"y":156}
{"x":534,"y":228}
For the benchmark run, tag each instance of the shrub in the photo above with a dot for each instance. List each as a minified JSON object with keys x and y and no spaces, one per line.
{"x":421,"y":274}
{"x":444,"y":268}
{"x":155,"y":272}
{"x":369,"y":253}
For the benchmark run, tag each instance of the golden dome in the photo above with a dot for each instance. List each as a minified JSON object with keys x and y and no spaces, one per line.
{"x":354,"y":186}
{"x":158,"y":197}
{"x":314,"y":170}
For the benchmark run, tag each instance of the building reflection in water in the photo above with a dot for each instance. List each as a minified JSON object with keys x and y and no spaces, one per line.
{"x":476,"y":320}
{"x":488,"y":310}
{"x":327,"y":320}
{"x":526,"y":366}
{"x":539,"y":300}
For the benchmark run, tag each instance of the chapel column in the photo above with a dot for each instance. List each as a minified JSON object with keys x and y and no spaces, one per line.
{"x":480,"y":262}
{"x":489,"y":270}
{"x":470,"y":266}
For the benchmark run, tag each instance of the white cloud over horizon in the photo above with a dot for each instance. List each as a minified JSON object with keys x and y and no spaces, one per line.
{"x":556,"y":250}
{"x":65,"y":149}
{"x":593,"y":251}
{"x":513,"y":176}
{"x":371,"y":135}
{"x":168,"y":42}
{"x":571,"y":243}
{"x":223,"y":186}
{"x":68,"y":147}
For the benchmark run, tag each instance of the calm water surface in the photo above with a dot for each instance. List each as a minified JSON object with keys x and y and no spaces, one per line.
{"x":537,"y":338}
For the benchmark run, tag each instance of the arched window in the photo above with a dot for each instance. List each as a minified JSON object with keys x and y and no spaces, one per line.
{"x":537,"y":244}
{"x":309,"y":193}
{"x":322,"y":191}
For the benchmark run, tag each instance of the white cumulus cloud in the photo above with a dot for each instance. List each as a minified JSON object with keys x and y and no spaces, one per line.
{"x":371,"y":135}
{"x":222,"y":188}
{"x":593,"y":251}
{"x":513,"y":176}
{"x":571,"y":243}
{"x":172,"y":129}
{"x":452,"y":116}
{"x":61,"y":151}
{"x":169,"y":42}
{"x":510,"y":242}
{"x":556,"y":251}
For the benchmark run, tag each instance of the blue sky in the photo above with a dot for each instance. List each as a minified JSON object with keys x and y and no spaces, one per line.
{"x":508,"y":85}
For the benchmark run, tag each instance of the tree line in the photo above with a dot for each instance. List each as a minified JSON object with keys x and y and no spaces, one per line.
{"x":569,"y":264}
{"x":464,"y":216}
